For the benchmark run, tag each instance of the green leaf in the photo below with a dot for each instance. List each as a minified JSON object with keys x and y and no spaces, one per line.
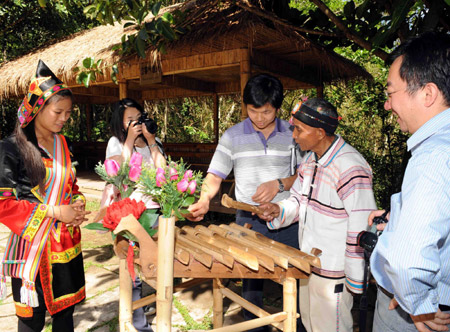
{"x":143,"y":34}
{"x":188,"y":201}
{"x":148,"y":219}
{"x":81,"y":77}
{"x":96,"y":226}
{"x":87,"y":79}
{"x":42,"y":3}
{"x":88,"y":62}
{"x":140,"y":47}
{"x":168,"y":17}
{"x":167,"y":31}
{"x":155,"y":8}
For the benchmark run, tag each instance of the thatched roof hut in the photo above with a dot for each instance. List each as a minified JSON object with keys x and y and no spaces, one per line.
{"x":227,"y":41}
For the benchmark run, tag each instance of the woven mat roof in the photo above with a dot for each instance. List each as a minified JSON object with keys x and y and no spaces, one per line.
{"x":213,"y":26}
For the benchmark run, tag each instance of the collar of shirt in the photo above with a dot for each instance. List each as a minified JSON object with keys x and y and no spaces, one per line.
{"x":429,"y":128}
{"x":279,"y":128}
{"x":329,"y":155}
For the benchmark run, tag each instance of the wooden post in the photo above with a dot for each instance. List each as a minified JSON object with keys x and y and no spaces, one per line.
{"x":164,"y":281}
{"x":217,"y":304}
{"x":216,"y":117}
{"x":125,"y":303}
{"x":89,"y":122}
{"x":290,"y":304}
{"x":123,"y":89}
{"x":245,"y":73}
{"x":319,"y":91}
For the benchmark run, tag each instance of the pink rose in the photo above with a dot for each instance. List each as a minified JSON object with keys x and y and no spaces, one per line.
{"x":182,"y":185}
{"x":173,"y":174}
{"x":160,"y":180}
{"x":160,"y":170}
{"x":111,"y":167}
{"x":191,"y":187}
{"x":136,"y":159}
{"x":188,"y":174}
{"x":135,"y":173}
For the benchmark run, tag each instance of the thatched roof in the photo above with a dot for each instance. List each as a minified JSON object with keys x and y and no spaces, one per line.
{"x":202,"y":58}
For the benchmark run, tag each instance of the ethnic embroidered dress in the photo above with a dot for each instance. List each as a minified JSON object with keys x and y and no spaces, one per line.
{"x":40,"y":247}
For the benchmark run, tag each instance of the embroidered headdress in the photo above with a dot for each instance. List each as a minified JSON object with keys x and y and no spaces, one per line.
{"x":314,"y":118}
{"x":42,"y":86}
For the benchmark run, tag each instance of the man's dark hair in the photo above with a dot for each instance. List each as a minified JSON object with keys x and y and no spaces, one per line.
{"x":117,"y":127}
{"x":263,"y":89}
{"x":323,"y":107}
{"x":426,"y":59}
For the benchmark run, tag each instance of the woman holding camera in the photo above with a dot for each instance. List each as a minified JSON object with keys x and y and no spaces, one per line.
{"x":131,"y":134}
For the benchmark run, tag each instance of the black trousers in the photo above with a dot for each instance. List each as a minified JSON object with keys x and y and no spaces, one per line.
{"x":61,"y":321}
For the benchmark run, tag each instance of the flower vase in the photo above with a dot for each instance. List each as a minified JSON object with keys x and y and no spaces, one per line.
{"x":164,"y":281}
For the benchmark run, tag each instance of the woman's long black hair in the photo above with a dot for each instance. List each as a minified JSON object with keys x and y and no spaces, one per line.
{"x":29,"y":149}
{"x":117,"y":127}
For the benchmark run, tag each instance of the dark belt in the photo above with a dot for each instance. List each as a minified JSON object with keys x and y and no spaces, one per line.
{"x":442,"y":307}
{"x":385,"y":292}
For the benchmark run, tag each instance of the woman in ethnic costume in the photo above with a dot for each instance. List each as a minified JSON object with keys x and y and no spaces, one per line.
{"x":41,"y":205}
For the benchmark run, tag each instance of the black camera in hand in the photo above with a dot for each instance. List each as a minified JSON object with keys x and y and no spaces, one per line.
{"x":368,"y":239}
{"x":151,"y":125}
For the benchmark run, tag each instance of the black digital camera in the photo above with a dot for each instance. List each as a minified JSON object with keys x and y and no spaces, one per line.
{"x":151,"y":125}
{"x":367,"y":239}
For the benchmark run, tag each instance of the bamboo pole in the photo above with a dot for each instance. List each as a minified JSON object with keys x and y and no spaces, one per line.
{"x":280,"y":259}
{"x":198,"y":254}
{"x":219,"y":254}
{"x":152,"y":298}
{"x":125,"y":298}
{"x":314,"y":261}
{"x":237,"y":253}
{"x":290,"y":304}
{"x":263,"y":259}
{"x":182,"y":255}
{"x":164,"y":281}
{"x":254,"y":309}
{"x":254,"y":323}
{"x":217,"y":304}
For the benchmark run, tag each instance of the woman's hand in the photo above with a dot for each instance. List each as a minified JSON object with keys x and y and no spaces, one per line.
{"x":73,"y":214}
{"x":151,"y":138}
{"x":134,"y":130}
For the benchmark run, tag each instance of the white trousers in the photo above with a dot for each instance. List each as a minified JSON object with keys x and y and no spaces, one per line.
{"x":325,"y":305}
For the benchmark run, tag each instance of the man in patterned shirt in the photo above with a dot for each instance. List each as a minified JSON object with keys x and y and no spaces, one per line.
{"x":330,"y":199}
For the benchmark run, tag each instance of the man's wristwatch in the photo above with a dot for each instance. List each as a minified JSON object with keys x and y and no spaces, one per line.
{"x":280,"y":186}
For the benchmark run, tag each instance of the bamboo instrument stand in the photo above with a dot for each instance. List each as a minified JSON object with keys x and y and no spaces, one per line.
{"x":191,"y":262}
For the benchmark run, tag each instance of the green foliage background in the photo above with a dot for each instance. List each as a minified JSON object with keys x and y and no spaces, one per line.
{"x":365,"y":125}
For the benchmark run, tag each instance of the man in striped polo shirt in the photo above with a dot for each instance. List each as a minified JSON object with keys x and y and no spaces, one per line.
{"x":263,"y":156}
{"x":331,"y":200}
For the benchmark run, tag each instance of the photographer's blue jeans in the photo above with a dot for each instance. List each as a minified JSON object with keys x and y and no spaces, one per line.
{"x":396,"y":320}
{"x":252,"y":289}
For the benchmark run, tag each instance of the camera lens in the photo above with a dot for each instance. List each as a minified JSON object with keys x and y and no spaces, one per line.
{"x":367,"y":240}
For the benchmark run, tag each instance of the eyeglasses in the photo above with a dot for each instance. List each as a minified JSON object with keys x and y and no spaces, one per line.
{"x":389,"y":94}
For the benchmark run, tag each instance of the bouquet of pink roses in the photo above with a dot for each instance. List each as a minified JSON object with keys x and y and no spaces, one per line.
{"x":174,"y":187}
{"x":125,"y":176}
